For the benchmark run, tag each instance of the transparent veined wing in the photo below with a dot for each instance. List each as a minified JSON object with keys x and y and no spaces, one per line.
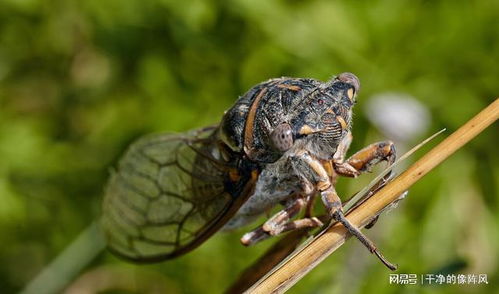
{"x":166,"y":197}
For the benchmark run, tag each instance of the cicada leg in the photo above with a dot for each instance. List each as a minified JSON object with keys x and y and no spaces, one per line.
{"x":333,"y":204}
{"x":342,"y":149}
{"x":363,"y":160}
{"x":280,"y":222}
{"x":307,"y":222}
{"x":274,"y":224}
{"x":334,"y":207}
{"x":310,"y":205}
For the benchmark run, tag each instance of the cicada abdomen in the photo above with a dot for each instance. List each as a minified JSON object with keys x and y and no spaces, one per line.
{"x":166,"y":196}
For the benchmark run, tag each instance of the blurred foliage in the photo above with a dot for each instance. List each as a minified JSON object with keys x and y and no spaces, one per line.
{"x":79,"y":80}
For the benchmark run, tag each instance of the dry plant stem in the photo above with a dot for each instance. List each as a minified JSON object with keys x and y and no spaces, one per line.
{"x":285,"y":246}
{"x":291,"y":271}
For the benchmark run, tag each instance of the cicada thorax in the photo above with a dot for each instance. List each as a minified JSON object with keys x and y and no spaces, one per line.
{"x":248,"y":126}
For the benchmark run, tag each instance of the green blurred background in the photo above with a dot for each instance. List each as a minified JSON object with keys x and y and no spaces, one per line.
{"x":79,"y":80}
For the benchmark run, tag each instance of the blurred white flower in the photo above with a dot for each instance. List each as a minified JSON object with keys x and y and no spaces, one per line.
{"x":399,"y":116}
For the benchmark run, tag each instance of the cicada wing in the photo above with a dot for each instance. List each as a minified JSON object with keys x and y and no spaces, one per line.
{"x":167,"y":192}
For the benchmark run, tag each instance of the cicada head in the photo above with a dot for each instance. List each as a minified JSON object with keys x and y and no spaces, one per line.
{"x":286,"y":113}
{"x":326,"y":117}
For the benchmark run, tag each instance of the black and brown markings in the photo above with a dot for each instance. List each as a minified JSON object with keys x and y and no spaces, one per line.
{"x":172,"y":192}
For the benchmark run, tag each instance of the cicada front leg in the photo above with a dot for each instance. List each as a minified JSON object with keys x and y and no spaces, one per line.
{"x":363,"y":160}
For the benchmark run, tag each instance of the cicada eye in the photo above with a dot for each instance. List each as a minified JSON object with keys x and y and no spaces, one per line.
{"x":282,"y":137}
{"x":351,"y":79}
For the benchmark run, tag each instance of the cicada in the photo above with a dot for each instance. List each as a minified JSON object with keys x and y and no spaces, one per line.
{"x":284,"y":142}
